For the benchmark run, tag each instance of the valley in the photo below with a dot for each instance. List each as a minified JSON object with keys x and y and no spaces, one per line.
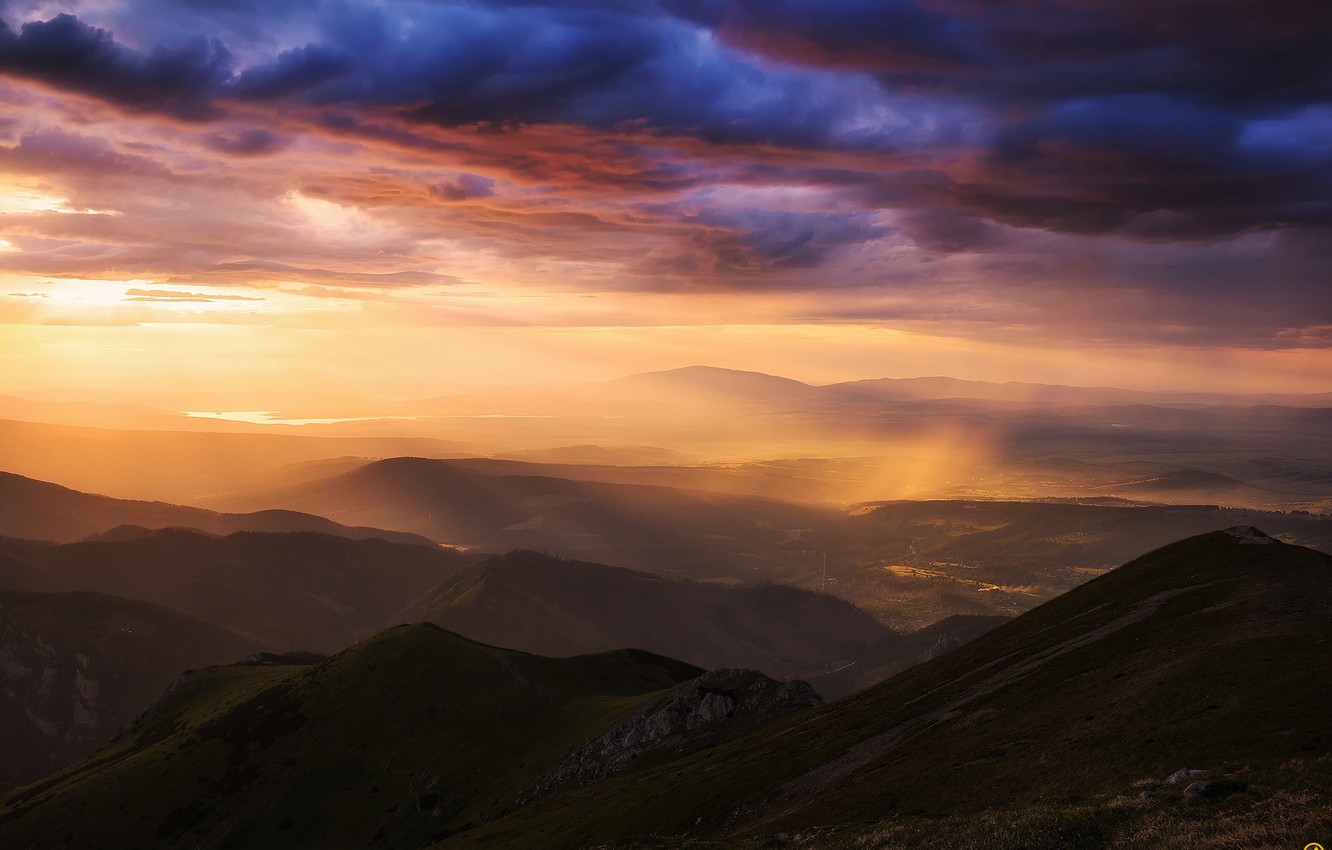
{"x":867,"y":655}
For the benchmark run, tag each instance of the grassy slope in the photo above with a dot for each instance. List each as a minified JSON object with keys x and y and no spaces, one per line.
{"x":1206,"y":653}
{"x":552,"y":606}
{"x":410,"y":735}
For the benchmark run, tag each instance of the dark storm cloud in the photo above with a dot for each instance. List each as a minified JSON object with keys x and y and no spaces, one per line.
{"x":598,"y":65}
{"x":973,"y":129}
{"x":1265,"y":52}
{"x":1120,"y":116}
{"x":1128,"y":116}
{"x":67,"y":53}
{"x":729,"y":242}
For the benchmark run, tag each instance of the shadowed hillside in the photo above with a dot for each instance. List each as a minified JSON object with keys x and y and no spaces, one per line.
{"x":550,"y":606}
{"x":408,"y":737}
{"x":682,"y":532}
{"x":1210,"y":653}
{"x":287,"y":591}
{"x":76,"y":668}
{"x":41,"y":511}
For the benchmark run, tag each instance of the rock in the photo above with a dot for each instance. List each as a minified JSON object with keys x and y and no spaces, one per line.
{"x":1249,"y":535}
{"x":945,"y":643}
{"x":688,"y":717}
{"x":1182,"y":774}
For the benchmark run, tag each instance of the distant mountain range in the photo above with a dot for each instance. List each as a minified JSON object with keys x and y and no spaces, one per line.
{"x":741,"y":432}
{"x":685,"y":532}
{"x":294,"y":590}
{"x":710,"y":383}
{"x":550,"y":606}
{"x":1068,"y":726}
{"x":180,"y":466}
{"x":42,"y":511}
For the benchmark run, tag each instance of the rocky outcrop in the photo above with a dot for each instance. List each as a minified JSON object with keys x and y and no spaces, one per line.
{"x":1182,"y":774}
{"x":54,"y":694}
{"x":1247,"y":534}
{"x":76,"y":668}
{"x":717,"y":706}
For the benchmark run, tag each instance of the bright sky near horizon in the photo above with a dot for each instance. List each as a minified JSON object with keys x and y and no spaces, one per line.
{"x":423,"y":194}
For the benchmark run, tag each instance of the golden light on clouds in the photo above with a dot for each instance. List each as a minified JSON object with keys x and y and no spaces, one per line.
{"x":831,"y":229}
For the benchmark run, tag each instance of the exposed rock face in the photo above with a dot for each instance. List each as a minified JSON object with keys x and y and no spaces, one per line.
{"x":1182,"y":774}
{"x":75,"y":668}
{"x":52,"y":692}
{"x":945,"y":643}
{"x":1249,"y":535}
{"x":716,"y":706}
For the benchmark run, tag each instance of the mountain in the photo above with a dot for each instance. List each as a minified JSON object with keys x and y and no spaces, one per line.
{"x":918,"y":389}
{"x":76,"y":668}
{"x":711,"y":385}
{"x":296,"y":590}
{"x":537,"y":603}
{"x":1070,"y":726}
{"x":408,"y":737}
{"x":179,"y":466}
{"x":38,"y":510}
{"x":1210,"y":654}
{"x":694,"y":533}
{"x":913,"y":562}
{"x":909,"y":650}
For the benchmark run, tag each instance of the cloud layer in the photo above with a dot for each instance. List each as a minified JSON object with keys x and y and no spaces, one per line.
{"x":1108,"y":169}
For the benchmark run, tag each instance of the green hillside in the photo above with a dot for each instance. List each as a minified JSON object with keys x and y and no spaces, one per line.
{"x":1056,"y":730}
{"x":406,"y":737}
{"x":1210,"y":653}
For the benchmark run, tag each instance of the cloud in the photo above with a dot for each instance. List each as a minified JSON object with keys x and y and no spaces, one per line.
{"x":246,"y":142}
{"x":170,"y":295}
{"x":464,"y":187}
{"x":1033,"y":158}
{"x":71,"y":55}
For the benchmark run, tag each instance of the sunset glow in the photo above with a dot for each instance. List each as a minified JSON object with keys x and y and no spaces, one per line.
{"x":570,"y":187}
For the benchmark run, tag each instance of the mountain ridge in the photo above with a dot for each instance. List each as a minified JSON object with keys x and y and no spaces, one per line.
{"x":1117,"y":670}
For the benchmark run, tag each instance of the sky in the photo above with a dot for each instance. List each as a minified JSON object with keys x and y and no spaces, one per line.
{"x":426,"y":193}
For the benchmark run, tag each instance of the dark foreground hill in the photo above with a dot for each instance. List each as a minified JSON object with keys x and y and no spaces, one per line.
{"x":39,"y":510}
{"x":552,"y":606}
{"x":1211,"y":654}
{"x":305,"y":591}
{"x":76,"y":668}
{"x":1060,"y":729}
{"x":400,"y":740}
